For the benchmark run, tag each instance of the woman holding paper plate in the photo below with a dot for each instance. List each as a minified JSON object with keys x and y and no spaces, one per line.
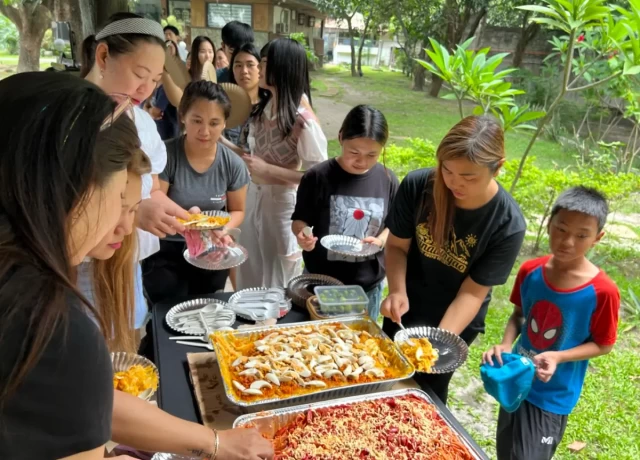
{"x":349,"y":196}
{"x":454,"y":233}
{"x":201,"y":175}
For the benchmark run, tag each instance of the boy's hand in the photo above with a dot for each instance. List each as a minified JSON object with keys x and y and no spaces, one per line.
{"x":495,"y":352}
{"x":546,"y":364}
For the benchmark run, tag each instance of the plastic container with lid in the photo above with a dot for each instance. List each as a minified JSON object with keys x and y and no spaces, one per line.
{"x":341,"y":300}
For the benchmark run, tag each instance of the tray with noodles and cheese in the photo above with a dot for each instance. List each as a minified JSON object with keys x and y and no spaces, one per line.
{"x":399,"y":425}
{"x":275,"y":366}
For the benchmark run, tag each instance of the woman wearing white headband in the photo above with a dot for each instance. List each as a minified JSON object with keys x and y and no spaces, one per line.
{"x":126,"y":58}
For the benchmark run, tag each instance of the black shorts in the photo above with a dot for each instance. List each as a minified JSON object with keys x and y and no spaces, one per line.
{"x":529,"y":433}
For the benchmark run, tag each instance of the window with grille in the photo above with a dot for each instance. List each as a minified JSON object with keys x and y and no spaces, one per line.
{"x":219,"y":14}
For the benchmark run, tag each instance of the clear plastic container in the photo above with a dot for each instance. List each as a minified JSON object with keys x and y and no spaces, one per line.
{"x":341,"y":300}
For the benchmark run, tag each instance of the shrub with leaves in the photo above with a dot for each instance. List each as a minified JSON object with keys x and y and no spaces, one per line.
{"x":301,"y":38}
{"x":420,"y":153}
{"x":539,"y":188}
{"x":473,"y":75}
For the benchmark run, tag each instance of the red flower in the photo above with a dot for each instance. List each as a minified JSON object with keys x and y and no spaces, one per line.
{"x":581,"y":38}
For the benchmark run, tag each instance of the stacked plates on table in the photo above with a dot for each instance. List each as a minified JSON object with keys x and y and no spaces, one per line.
{"x":301,"y":287}
{"x":259,"y":304}
{"x":187,"y":317}
{"x":349,"y":247}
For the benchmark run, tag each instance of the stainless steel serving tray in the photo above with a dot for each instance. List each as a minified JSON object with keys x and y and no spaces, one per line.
{"x":360,"y":323}
{"x":268,"y":423}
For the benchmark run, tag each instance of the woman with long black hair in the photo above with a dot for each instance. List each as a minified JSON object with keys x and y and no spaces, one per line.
{"x":202,"y":50}
{"x":284,"y":137}
{"x":60,"y":194}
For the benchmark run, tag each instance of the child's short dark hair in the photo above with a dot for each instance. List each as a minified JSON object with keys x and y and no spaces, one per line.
{"x":236,"y":33}
{"x":582,"y":199}
{"x":173,"y":29}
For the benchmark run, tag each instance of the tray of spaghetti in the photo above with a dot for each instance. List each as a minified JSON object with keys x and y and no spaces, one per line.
{"x":277,"y":366}
{"x":395,"y":425}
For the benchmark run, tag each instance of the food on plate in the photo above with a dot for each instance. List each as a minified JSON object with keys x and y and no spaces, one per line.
{"x":399,"y":428}
{"x":295,"y":361}
{"x":199,"y":242}
{"x":136,"y":380}
{"x":204,"y":221}
{"x":199,"y":234}
{"x":420,"y":353}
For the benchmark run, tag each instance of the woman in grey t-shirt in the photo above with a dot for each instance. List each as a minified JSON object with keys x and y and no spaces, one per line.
{"x":200,"y":173}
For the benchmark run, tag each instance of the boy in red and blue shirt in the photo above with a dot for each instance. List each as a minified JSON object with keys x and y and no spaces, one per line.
{"x":565,"y":312}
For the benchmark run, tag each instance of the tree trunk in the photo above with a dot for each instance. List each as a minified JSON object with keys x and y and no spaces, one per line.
{"x":31,"y":20}
{"x":80,"y":14}
{"x":419,"y":72}
{"x":353,"y":49}
{"x":362,"y":39}
{"x":436,"y":85}
{"x":474,"y":23}
{"x":527,"y":34}
{"x":106,"y":8}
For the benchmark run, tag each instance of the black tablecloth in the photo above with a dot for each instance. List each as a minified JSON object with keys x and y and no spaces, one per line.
{"x":175,"y":393}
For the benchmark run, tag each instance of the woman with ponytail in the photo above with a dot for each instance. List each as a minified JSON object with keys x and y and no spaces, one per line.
{"x":126,"y":60}
{"x":454,"y":233}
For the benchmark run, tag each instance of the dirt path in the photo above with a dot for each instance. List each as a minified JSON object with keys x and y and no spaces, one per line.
{"x":331,"y":114}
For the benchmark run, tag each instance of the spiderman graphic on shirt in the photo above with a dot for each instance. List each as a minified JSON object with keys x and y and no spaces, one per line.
{"x":558,"y":320}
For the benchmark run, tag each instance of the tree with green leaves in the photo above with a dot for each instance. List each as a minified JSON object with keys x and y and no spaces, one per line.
{"x":344,"y":10}
{"x":32,"y":19}
{"x":473,"y":75}
{"x":373,"y":13}
{"x":603,"y":32}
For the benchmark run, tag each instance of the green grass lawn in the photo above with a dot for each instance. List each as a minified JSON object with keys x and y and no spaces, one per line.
{"x":607,"y":416}
{"x":412,"y":114}
{"x":9,"y":64}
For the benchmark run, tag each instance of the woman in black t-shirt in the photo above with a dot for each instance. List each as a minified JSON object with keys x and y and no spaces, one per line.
{"x":349,"y":195}
{"x":455,"y":233}
{"x":60,"y":194}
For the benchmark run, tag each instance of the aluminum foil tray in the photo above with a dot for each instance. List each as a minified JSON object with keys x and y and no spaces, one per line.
{"x":268,"y":423}
{"x":122,"y":361}
{"x":405,"y":367}
{"x":452,"y":350}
